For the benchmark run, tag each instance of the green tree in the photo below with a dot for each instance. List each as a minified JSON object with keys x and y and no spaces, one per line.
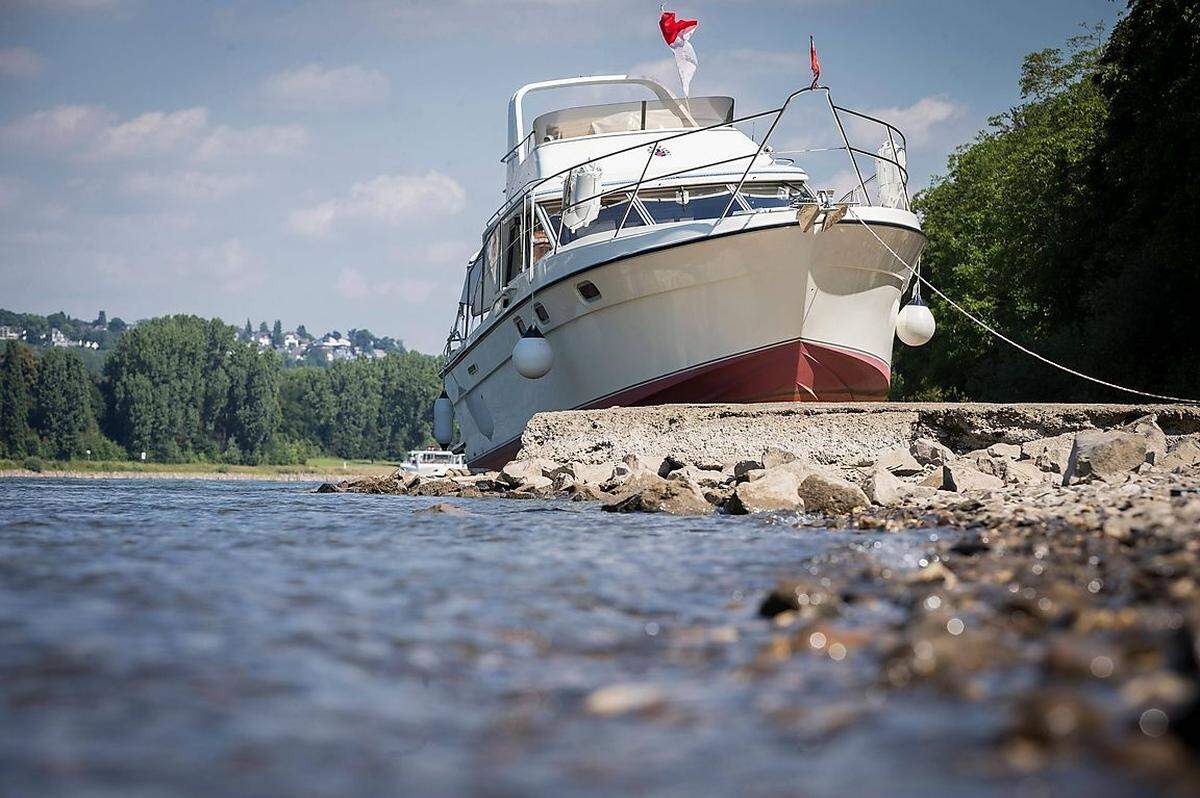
{"x":1139,"y":240}
{"x":62,"y":406}
{"x":1003,"y":238}
{"x":17,"y":374}
{"x":277,"y":334}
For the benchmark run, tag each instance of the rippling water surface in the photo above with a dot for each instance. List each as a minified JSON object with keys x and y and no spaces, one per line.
{"x":237,"y":638}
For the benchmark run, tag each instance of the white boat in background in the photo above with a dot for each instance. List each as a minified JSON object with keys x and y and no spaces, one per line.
{"x":432,"y":463}
{"x":691,"y":265}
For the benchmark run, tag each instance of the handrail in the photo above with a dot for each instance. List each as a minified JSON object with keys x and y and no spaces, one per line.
{"x":762,"y":145}
{"x":534,"y":184}
{"x":518,"y":146}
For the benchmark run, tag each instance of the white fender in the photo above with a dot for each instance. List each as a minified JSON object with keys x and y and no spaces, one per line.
{"x":533,"y":356}
{"x":582,"y":197}
{"x":915,"y":324}
{"x":443,"y":420}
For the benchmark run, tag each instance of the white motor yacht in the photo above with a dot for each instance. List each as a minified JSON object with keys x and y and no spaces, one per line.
{"x":651,"y":252}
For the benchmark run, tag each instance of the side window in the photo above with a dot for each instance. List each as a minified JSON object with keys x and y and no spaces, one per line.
{"x":686,"y":204}
{"x":765,"y":196}
{"x":514,"y":248}
{"x":540,"y":240}
{"x":612,"y":210}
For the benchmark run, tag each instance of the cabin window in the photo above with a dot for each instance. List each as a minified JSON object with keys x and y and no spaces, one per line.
{"x":588,"y":290}
{"x":520,"y":322}
{"x":765,"y":196}
{"x":539,"y":243}
{"x":686,"y":204}
{"x":542,"y":315}
{"x":513,"y":257}
{"x":612,"y":209}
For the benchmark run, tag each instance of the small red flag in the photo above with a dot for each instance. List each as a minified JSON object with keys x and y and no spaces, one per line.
{"x":816,"y":62}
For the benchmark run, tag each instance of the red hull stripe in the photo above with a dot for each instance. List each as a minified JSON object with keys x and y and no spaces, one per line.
{"x":794,"y":371}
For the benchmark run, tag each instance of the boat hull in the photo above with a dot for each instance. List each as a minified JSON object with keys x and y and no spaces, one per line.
{"x":760,"y":315}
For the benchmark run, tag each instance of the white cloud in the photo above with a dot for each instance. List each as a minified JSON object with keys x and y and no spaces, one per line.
{"x":20,"y":62}
{"x":313,"y":87}
{"x":275,"y":140}
{"x":916,"y":121}
{"x":95,"y":133}
{"x":58,"y":128}
{"x":186,"y":186}
{"x":386,"y":199}
{"x":152,"y":133}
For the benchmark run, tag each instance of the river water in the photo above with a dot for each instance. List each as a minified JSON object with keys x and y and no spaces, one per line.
{"x":243,"y":638}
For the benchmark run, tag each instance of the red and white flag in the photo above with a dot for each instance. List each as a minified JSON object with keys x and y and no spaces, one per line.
{"x":816,"y":62}
{"x":678,"y":34}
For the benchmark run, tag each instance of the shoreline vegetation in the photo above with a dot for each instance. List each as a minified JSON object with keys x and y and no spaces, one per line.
{"x":313,"y":470}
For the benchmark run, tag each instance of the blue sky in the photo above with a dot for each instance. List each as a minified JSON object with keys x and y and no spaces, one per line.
{"x":331,"y":163}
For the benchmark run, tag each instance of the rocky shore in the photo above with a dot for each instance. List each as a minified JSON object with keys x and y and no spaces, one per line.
{"x":1059,"y":581}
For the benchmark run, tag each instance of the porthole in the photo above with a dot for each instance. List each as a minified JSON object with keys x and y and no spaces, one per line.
{"x":471,"y":369}
{"x":588,"y":291}
{"x":542,"y":315}
{"x":520,"y":322}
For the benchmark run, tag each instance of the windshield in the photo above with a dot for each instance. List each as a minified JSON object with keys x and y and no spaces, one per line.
{"x":595,"y":120}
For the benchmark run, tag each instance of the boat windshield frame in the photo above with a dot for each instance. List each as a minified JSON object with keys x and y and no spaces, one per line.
{"x":632,"y":117}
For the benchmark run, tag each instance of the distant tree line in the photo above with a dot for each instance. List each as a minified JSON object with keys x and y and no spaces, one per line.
{"x":103,"y":331}
{"x":1071,"y":225}
{"x":183,"y":388}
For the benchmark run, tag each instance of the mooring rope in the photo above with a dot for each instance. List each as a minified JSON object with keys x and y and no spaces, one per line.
{"x":913,"y":271}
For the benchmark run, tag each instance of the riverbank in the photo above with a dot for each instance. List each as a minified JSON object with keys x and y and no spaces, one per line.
{"x":314,"y":470}
{"x":1056,"y":588}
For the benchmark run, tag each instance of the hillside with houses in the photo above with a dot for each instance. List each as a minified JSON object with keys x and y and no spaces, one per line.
{"x":294,"y":347}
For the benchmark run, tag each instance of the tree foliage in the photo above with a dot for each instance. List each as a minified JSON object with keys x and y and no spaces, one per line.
{"x":1068,"y":224}
{"x":63,"y":409}
{"x":996,"y":222}
{"x":17,"y":375}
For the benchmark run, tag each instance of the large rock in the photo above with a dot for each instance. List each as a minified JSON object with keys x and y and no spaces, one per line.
{"x":430,"y":487}
{"x":1156,"y":440}
{"x":1009,"y":451}
{"x":960,"y":477}
{"x":742,"y":468}
{"x":650,"y":493}
{"x":1185,"y":453}
{"x":885,"y":488}
{"x":1050,"y":454}
{"x":930,"y":452}
{"x":588,"y":473}
{"x":826,"y":494}
{"x":1106,"y":455}
{"x":702,"y":477}
{"x":899,"y":462}
{"x":639,"y":465}
{"x":519,"y":472}
{"x":776,"y":457}
{"x":777,"y":489}
{"x":583,"y":492}
{"x":1023,"y":472}
{"x":982,"y":460}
